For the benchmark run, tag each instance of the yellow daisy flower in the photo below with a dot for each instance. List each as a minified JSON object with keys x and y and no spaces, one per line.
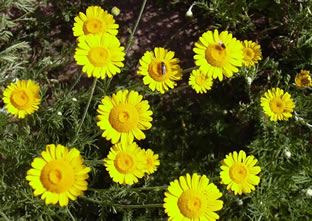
{"x":192,"y":198}
{"x":100,"y":55}
{"x":239,"y":172}
{"x":125,"y":163}
{"x":252,"y":53}
{"x":95,"y":21}
{"x":277,"y":105}
{"x":151,"y":161}
{"x":123,"y":117}
{"x":303,"y":79}
{"x":59,"y":175}
{"x":200,"y":82}
{"x":22,"y":98}
{"x":218,"y":54}
{"x":160,"y":69}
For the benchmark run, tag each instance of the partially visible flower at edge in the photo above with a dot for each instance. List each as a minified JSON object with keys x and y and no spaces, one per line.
{"x":252,"y":53}
{"x":303,"y":79}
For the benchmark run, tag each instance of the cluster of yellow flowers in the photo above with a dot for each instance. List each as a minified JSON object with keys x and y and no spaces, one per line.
{"x":194,"y":198}
{"x":60,"y":175}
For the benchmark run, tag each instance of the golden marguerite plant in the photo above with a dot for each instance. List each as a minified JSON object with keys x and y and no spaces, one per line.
{"x":252,"y":53}
{"x":95,"y":21}
{"x":200,"y":82}
{"x":22,"y":98}
{"x":100,"y":55}
{"x":123,"y":117}
{"x":192,"y":198}
{"x":59,"y":175}
{"x":239,"y":172}
{"x":160,"y":69}
{"x":125,"y":163}
{"x":303,"y":79}
{"x":151,"y":161}
{"x":277,"y":105}
{"x":218,"y":55}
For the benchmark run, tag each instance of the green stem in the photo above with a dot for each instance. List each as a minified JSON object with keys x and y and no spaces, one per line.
{"x":135,"y":27}
{"x":137,"y":206}
{"x":92,"y":200}
{"x":155,"y":188}
{"x":189,"y":70}
{"x":94,"y":162}
{"x":4,"y":216}
{"x":76,"y":81}
{"x":121,"y":205}
{"x":85,"y":111}
{"x":71,"y":215}
{"x":177,"y":89}
{"x":25,"y":15}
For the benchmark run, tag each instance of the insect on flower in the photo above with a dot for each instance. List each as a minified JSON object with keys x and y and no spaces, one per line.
{"x":221,"y":44}
{"x":163,"y":68}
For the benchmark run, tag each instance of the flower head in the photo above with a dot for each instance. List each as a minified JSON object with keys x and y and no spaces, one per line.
{"x":239,"y":172}
{"x":252,"y":53}
{"x":125,"y":163}
{"x":22,"y":98}
{"x":218,"y":54}
{"x":303,"y":79}
{"x":192,"y":198}
{"x":151,"y":161}
{"x":59,"y":175}
{"x":100,"y":55}
{"x":160,"y":69}
{"x":123,"y":117}
{"x":277,"y":105}
{"x":200,"y":82}
{"x":95,"y":21}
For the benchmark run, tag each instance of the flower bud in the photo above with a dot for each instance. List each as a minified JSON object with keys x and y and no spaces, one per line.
{"x":115,"y":11}
{"x":287,"y":153}
{"x":309,"y":192}
{"x":189,"y":13}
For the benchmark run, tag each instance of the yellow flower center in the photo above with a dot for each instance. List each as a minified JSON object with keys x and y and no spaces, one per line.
{"x":238,"y":172}
{"x":124,"y":117}
{"x":159,"y":70}
{"x":216,"y":55}
{"x":200,"y":80}
{"x":20,"y":99}
{"x":92,"y":26}
{"x":249,"y":54}
{"x":124,"y":163}
{"x":277,"y":105}
{"x":191,"y":204}
{"x":57,"y":176}
{"x":98,"y":56}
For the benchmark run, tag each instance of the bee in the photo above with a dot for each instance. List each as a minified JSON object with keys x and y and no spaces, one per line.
{"x":163,"y":68}
{"x":221,"y":44}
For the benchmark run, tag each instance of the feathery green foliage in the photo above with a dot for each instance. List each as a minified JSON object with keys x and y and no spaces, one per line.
{"x":191,"y":133}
